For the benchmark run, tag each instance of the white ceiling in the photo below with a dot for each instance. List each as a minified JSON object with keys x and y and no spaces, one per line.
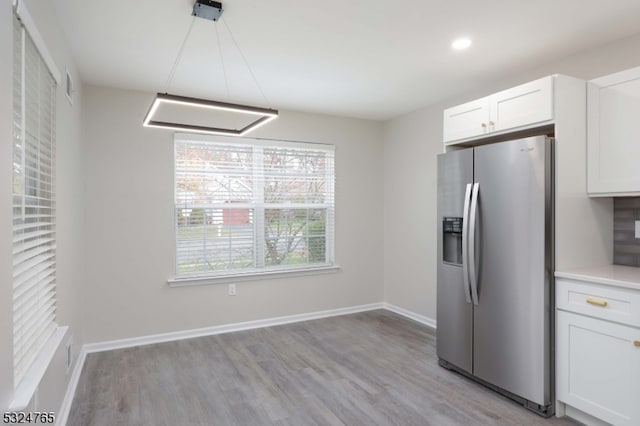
{"x":371,"y":59}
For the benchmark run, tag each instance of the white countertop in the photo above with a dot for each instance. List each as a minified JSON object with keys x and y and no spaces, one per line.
{"x":614,"y":275}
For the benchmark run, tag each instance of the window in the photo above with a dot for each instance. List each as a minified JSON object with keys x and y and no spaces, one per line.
{"x":34,"y":243}
{"x":247,"y":205}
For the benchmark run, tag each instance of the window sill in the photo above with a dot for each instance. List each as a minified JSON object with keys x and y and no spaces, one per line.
{"x":252,"y":276}
{"x":29,"y":384}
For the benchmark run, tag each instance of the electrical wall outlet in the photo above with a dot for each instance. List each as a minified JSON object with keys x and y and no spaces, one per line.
{"x":637,"y":228}
{"x":232,"y":289}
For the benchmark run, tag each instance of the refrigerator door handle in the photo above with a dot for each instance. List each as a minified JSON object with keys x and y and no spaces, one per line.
{"x":473,"y":217}
{"x":465,"y":237}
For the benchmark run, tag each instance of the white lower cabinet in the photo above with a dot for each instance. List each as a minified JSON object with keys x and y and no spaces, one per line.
{"x":598,"y":361}
{"x":599,"y":368}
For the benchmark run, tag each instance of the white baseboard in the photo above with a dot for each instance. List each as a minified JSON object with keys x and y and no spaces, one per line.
{"x":219,"y":329}
{"x":227,"y":328}
{"x":429,"y":322}
{"x":65,"y":408}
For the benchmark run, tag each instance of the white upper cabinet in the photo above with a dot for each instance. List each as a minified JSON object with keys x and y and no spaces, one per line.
{"x":521,"y":107}
{"x":613,"y":134}
{"x":524,"y":105}
{"x":466,"y":120}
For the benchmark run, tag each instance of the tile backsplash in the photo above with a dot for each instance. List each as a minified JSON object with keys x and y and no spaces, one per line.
{"x":626,"y":248}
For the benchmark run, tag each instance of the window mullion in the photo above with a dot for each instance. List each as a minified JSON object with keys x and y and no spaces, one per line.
{"x":258,"y":199}
{"x":175,"y":203}
{"x":307,"y":237}
{"x":329,"y":215}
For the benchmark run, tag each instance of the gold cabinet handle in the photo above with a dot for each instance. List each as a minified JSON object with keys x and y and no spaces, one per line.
{"x":597,"y":302}
{"x":484,"y":125}
{"x":491,"y":123}
{"x":636,"y":343}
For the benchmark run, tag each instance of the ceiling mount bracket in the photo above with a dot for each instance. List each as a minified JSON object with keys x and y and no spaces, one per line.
{"x":207,"y":9}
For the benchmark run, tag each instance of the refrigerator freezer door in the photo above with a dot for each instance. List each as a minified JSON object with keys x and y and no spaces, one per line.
{"x":511,"y":320}
{"x":454,"y":313}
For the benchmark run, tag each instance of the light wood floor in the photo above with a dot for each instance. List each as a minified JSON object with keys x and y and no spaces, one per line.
{"x":372,"y":368}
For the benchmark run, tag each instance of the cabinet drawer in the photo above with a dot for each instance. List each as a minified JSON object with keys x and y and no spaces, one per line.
{"x":599,"y":301}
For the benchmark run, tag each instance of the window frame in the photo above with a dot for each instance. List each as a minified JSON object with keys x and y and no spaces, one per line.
{"x":35,"y":297}
{"x":259,"y":271}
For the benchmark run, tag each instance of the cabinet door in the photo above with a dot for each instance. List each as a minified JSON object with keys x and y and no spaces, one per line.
{"x":599,"y":368}
{"x":613,"y":132}
{"x":524,"y":105}
{"x":466,"y":120}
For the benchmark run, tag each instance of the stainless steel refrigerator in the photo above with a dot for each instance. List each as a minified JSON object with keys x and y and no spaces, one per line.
{"x":495,"y":267}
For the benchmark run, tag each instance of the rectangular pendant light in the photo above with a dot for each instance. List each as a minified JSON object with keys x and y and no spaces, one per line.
{"x":264,"y":115}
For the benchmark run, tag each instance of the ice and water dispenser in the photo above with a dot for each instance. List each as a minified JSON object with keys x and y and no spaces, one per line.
{"x":452,"y":240}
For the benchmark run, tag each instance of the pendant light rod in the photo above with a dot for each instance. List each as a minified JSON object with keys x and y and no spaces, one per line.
{"x":176,"y":62}
{"x":255,"y":80}
{"x":224,"y":69}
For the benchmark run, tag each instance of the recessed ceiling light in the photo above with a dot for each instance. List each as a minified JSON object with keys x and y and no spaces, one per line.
{"x":461,"y":43}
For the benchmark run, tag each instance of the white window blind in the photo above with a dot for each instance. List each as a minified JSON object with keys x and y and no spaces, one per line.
{"x":248,"y":206}
{"x":34,"y":244}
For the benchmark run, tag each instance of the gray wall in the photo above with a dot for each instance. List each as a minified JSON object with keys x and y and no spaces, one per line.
{"x":411,"y":143}
{"x":626,"y":248}
{"x":130,"y":226}
{"x":69,"y":207}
